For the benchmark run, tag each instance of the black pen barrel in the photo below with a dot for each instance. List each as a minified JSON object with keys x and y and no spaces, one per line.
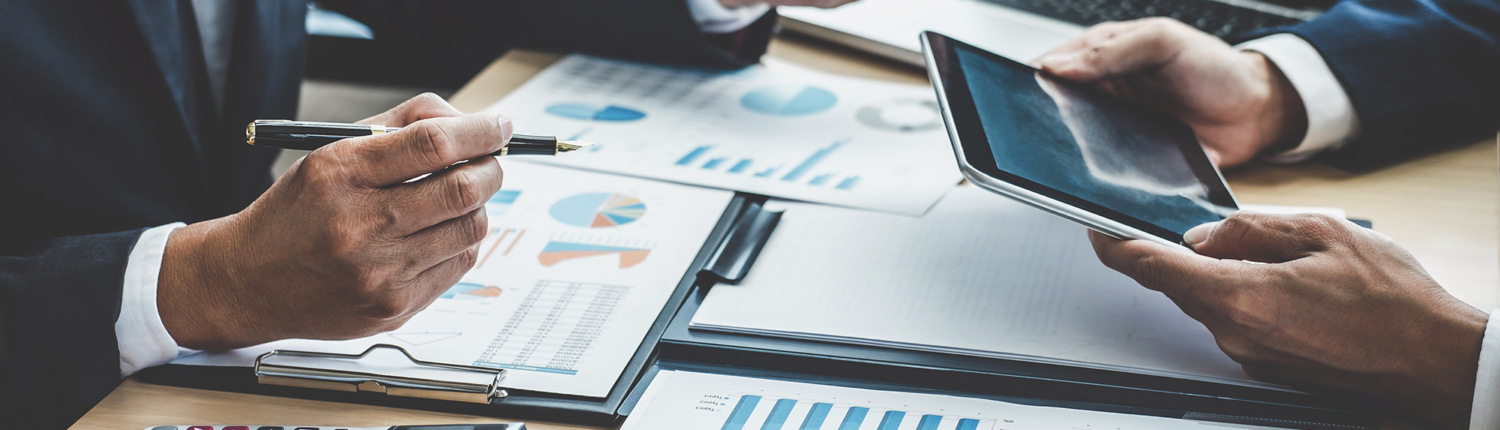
{"x":308,"y":136}
{"x":525,"y":144}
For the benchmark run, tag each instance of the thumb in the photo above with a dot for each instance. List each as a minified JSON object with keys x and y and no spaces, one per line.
{"x":1114,"y":49}
{"x":423,"y":106}
{"x":1265,"y":238}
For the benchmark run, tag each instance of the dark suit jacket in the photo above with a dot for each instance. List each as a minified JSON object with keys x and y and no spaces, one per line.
{"x":1422,"y":76}
{"x":108,"y":128}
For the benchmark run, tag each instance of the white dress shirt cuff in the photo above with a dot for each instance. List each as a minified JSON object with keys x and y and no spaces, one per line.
{"x":1331,"y":120}
{"x":143,"y":339}
{"x":1486,"y":413}
{"x":712,"y":17}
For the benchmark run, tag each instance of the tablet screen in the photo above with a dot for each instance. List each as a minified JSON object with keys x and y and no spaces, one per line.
{"x":1086,"y":148}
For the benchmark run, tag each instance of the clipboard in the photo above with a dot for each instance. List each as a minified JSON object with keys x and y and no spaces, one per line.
{"x":726,"y":256}
{"x":354,"y":381}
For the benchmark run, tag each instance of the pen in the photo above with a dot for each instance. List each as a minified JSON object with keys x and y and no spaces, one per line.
{"x":306,"y":135}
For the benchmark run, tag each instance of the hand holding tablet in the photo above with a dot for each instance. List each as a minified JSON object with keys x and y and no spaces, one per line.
{"x":1118,"y":167}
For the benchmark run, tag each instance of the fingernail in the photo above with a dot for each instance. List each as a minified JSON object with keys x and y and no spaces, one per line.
{"x":1198,"y":234}
{"x":1057,"y":61}
{"x":505,"y":125}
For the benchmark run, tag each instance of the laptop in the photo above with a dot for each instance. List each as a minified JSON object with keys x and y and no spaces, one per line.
{"x":1024,"y":29}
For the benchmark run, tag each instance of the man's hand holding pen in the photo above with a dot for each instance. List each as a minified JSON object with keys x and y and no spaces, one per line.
{"x":342,"y":246}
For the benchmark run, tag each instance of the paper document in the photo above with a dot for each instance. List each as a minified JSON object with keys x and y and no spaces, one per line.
{"x":575,"y":270}
{"x":980,"y":275}
{"x":777,"y":130}
{"x":699,"y":401}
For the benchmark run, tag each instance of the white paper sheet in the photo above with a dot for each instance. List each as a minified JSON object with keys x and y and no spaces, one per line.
{"x":777,"y":130}
{"x":575,"y":270}
{"x":699,"y":401}
{"x":980,"y":274}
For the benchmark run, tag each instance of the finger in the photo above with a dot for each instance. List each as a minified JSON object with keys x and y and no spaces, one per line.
{"x":1213,"y":155}
{"x":1144,"y":45}
{"x":443,"y":196}
{"x":1266,"y":238}
{"x":1092,"y":35}
{"x":423,"y":106}
{"x":427,"y":146}
{"x":1177,"y":273}
{"x":441,"y":242}
{"x":440,"y":277}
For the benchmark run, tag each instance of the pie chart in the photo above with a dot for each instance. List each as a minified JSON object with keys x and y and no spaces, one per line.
{"x":901,"y":116}
{"x":598,"y":210}
{"x":595,"y":112}
{"x":788,"y":100}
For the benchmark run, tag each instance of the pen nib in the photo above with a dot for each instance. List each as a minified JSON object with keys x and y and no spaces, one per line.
{"x":572,"y":145}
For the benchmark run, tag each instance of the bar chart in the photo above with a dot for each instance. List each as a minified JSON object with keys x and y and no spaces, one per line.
{"x":804,"y":172}
{"x":753,"y":412}
{"x":683,"y":400}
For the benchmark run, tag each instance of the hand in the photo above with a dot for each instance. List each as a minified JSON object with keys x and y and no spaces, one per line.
{"x":1238,"y":103}
{"x":825,"y":4}
{"x":1339,"y":308}
{"x":342,"y":246}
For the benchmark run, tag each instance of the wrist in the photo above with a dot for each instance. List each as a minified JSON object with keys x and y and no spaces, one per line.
{"x":1448,"y":360}
{"x":196,"y":293}
{"x":1283,"y":116}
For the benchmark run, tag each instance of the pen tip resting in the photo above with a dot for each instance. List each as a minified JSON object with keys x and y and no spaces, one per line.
{"x":573,"y":145}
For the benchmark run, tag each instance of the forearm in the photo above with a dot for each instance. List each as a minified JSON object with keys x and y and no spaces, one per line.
{"x":58,"y":308}
{"x":1420,"y":75}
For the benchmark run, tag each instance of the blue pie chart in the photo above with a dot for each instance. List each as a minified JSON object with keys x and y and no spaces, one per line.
{"x":788,"y":100}
{"x":595,"y":112}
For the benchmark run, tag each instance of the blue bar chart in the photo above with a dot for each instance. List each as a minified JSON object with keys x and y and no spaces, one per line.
{"x":812,"y":162}
{"x":687,"y":160}
{"x":752,"y":412}
{"x":804,"y":172}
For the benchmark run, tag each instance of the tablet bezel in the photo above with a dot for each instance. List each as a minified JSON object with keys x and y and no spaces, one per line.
{"x":970,"y":144}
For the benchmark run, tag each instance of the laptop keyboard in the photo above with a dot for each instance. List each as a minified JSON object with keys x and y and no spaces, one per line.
{"x":1213,"y":17}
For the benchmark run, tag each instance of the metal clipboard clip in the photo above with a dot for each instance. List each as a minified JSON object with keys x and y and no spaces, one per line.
{"x":293,"y":375}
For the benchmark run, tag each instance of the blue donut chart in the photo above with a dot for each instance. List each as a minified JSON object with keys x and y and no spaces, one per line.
{"x":595,"y":112}
{"x":789,"y":100}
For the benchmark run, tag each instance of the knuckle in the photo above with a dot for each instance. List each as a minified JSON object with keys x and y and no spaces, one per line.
{"x":346,"y":243}
{"x":1160,"y":24}
{"x":435,"y":144}
{"x":472,"y":227}
{"x":387,"y":309}
{"x":427,"y":98}
{"x":464,"y":192}
{"x":1148,"y":269}
{"x":1239,"y":349}
{"x":468,"y":258}
{"x":1320,"y":230}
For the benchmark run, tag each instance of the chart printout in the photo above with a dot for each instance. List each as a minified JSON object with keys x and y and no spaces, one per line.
{"x":575,"y":269}
{"x":699,"y":401}
{"x":777,"y":130}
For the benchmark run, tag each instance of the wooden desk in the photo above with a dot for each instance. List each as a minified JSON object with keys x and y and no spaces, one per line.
{"x":1444,"y":208}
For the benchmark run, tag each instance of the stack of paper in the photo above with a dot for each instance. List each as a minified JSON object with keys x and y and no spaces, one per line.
{"x":980,"y":275}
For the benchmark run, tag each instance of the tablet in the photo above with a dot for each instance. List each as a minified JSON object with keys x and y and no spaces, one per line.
{"x":1122,"y":168}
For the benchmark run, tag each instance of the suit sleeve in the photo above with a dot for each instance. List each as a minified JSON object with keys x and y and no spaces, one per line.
{"x":58,"y":305}
{"x":1421,"y":75}
{"x":450,"y":41}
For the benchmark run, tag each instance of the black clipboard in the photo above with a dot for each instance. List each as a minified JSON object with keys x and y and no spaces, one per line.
{"x":726,"y":256}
